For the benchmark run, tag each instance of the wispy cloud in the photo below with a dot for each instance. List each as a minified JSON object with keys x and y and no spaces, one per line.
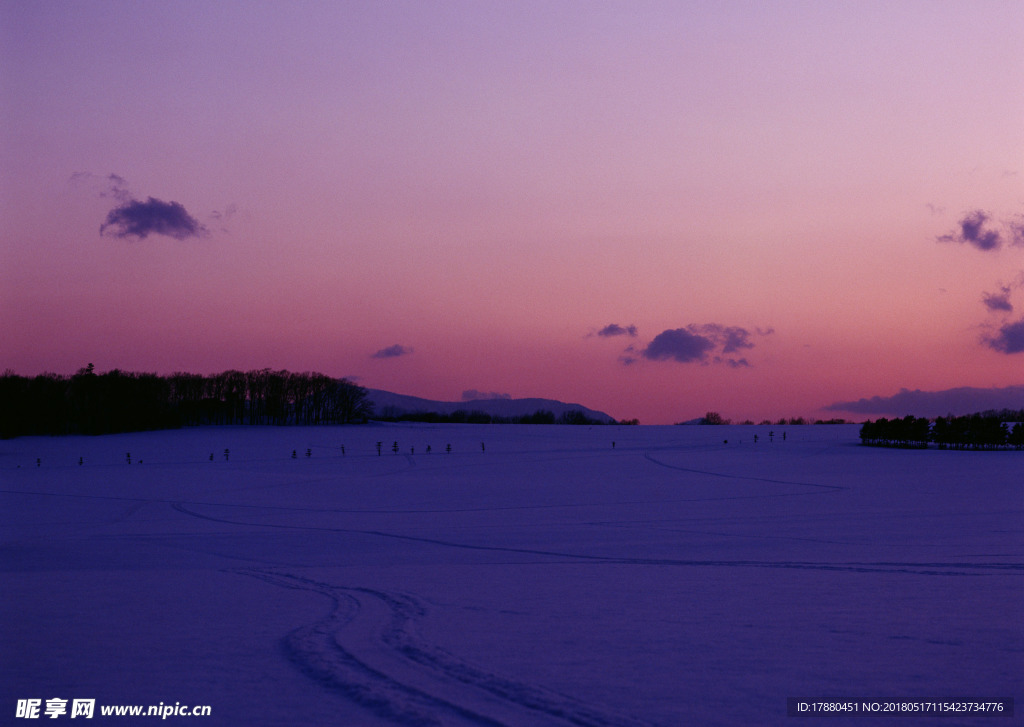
{"x":392,"y":352}
{"x":230,"y":211}
{"x":733,"y":363}
{"x":614,"y":329}
{"x":629,"y":356}
{"x":1016,"y":228}
{"x":110,"y":186}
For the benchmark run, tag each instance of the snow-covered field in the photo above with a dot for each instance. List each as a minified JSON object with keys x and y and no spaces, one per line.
{"x":549,"y":579}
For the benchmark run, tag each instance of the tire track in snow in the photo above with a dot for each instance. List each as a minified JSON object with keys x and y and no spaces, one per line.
{"x":928,"y":568}
{"x":649,"y":458}
{"x":83,"y":497}
{"x":368,"y":650}
{"x":317,"y":652}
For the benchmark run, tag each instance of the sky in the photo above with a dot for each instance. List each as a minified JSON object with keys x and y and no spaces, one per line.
{"x":654,"y":209}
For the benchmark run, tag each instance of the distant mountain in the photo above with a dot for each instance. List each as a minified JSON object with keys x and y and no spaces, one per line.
{"x":962,"y":400}
{"x":386,"y":403}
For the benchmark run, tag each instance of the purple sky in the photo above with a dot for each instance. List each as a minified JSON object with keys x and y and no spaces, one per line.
{"x":651,"y":208}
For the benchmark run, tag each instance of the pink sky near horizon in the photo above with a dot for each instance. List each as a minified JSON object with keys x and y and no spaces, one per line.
{"x":489,"y":185}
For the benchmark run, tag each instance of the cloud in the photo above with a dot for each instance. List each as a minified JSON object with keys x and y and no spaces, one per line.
{"x":732,"y":338}
{"x":117,"y":187}
{"x":474,"y":395}
{"x":614,"y":329}
{"x":629,"y":356}
{"x":1016,"y":228}
{"x":733,"y":363}
{"x":230,"y":211}
{"x":696,"y":342}
{"x":963,"y":400}
{"x":973,"y":231}
{"x":1009,"y":340}
{"x":998,"y":301}
{"x":679,"y":344}
{"x":392,"y":352}
{"x":152,"y":217}
{"x":136,"y":218}
{"x":112,"y":185}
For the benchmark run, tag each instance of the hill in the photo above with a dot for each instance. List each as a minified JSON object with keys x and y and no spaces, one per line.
{"x":389,"y":404}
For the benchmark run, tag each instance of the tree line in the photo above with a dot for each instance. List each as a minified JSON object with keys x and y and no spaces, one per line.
{"x":714,"y":418}
{"x":988,"y":430}
{"x":475,"y":416}
{"x":119,"y":401}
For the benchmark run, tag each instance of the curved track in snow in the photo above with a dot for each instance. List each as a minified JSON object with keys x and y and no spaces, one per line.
{"x":368,"y":650}
{"x":709,"y":473}
{"x":917,"y":568}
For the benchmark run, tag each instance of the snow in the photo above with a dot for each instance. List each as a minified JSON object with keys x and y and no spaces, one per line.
{"x":546,"y":579}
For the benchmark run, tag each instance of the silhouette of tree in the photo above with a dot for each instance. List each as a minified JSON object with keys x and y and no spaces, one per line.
{"x":977,"y":431}
{"x":1016,"y":436}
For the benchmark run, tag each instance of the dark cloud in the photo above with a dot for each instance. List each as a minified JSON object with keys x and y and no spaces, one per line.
{"x":392,"y":352}
{"x":614,"y":329}
{"x":679,"y":344}
{"x":696,"y":342}
{"x":474,"y":395}
{"x":152,"y":217}
{"x":963,"y":400}
{"x":973,"y":231}
{"x":731,"y":338}
{"x":998,"y":301}
{"x":1010,"y":338}
{"x":134,"y":218}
